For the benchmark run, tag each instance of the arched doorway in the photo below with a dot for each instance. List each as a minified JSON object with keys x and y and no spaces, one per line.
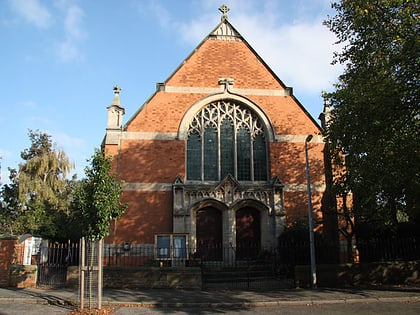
{"x":209,"y":233}
{"x":248,"y":233}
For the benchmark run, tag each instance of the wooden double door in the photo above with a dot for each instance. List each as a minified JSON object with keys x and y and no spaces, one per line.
{"x":209,"y":229}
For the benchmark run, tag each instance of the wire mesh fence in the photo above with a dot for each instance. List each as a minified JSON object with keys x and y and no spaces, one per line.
{"x":90,"y":282}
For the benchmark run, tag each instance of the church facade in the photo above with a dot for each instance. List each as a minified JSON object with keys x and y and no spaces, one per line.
{"x":216,"y":155}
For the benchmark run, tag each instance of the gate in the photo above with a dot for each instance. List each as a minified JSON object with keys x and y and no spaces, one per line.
{"x":53,"y":260}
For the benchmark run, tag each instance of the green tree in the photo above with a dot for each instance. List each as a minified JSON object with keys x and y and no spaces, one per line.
{"x":374,"y":129}
{"x":9,"y":204}
{"x":97,"y":198}
{"x":38,"y":194}
{"x":96,"y":202}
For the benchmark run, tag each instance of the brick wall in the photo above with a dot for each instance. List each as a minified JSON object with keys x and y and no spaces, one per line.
{"x":7,"y":251}
{"x":152,"y":278}
{"x":143,"y":278}
{"x":151,"y":161}
{"x":149,"y":213}
{"x":216,"y":59}
{"x":21,"y":276}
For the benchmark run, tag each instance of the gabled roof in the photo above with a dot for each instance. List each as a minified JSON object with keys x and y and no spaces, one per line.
{"x":223,"y":32}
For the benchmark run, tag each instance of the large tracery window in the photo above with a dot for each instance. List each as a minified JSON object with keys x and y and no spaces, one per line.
{"x":226,"y":138}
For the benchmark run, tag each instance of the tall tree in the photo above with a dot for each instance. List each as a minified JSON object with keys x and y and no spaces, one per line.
{"x":97,"y":198}
{"x":38,"y":194}
{"x":375,"y":119}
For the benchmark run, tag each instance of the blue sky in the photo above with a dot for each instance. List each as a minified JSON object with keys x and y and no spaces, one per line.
{"x":61,"y":58}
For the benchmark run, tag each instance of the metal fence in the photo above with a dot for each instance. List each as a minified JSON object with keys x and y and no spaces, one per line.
{"x":244,"y":267}
{"x":47,"y":253}
{"x":53,"y":260}
{"x":389,"y":249}
{"x":288,"y":253}
{"x":360,"y":251}
{"x":149,"y":255}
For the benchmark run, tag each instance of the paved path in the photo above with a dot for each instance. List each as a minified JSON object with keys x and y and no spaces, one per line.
{"x":24,"y":301}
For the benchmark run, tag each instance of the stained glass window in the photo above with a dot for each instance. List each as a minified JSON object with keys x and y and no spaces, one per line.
{"x":225,"y":138}
{"x":226,"y":148}
{"x":194,"y":157}
{"x":244,"y":154}
{"x":210,"y":154}
{"x":260,"y":158}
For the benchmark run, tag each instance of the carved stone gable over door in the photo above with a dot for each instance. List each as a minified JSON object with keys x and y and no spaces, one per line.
{"x":229,"y":193}
{"x":226,"y":190}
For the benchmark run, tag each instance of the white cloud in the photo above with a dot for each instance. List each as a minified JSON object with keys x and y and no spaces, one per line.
{"x":73,"y":23}
{"x":300,"y":54}
{"x":69,"y":48}
{"x":70,"y":17}
{"x":66,"y":141}
{"x":33,"y":11}
{"x":159,"y":12}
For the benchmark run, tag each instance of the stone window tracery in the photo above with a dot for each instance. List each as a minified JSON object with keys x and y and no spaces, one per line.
{"x":224,"y":138}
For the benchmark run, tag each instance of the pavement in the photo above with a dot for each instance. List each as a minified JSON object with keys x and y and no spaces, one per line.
{"x":175,"y":298}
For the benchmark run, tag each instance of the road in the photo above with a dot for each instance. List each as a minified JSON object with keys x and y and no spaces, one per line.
{"x":383,"y":308}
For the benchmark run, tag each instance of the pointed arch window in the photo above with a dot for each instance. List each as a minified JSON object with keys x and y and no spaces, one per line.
{"x":224,"y":138}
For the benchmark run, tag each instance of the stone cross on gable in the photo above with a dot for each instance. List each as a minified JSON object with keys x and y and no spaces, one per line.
{"x":224,"y":9}
{"x":226,"y":82}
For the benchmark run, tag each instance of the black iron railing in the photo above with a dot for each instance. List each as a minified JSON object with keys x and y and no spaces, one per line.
{"x":288,"y":252}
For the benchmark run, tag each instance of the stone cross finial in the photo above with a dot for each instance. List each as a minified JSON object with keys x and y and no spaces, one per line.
{"x":117,"y":89}
{"x":116,"y":100}
{"x":224,"y":9}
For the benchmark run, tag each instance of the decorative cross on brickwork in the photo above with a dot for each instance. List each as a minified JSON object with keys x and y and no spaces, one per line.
{"x":224,"y":9}
{"x":226,"y":82}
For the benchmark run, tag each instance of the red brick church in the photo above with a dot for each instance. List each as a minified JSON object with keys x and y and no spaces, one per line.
{"x":216,"y":157}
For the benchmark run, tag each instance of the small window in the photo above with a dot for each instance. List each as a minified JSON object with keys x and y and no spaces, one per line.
{"x":163,"y":246}
{"x":171,"y":246}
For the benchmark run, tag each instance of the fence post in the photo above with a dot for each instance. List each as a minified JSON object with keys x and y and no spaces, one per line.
{"x":82,"y":272}
{"x":100,"y":243}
